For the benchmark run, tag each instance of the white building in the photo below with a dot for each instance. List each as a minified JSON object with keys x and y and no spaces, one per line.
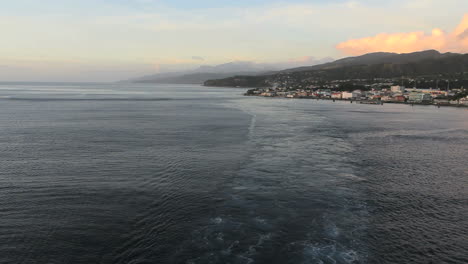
{"x":352,"y":95}
{"x":347,"y":95}
{"x":397,"y":89}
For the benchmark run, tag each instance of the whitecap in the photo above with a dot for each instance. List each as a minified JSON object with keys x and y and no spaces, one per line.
{"x":217,"y":220}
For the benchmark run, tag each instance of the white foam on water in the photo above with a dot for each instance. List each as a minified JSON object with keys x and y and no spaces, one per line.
{"x":333,"y":231}
{"x":350,"y":256}
{"x":217,"y":220}
{"x":351,"y":176}
{"x":314,"y":253}
{"x":228,"y":251}
{"x":253,"y":122}
{"x":319,"y":254}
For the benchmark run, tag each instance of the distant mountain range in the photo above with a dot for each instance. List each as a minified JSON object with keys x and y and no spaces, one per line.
{"x":368,"y":66}
{"x":205,"y":72}
{"x":377,"y":58}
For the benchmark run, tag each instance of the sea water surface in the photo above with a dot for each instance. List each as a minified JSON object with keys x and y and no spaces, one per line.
{"x":119,"y":173}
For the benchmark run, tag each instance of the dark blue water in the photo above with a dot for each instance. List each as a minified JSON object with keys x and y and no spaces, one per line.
{"x":186,"y":174}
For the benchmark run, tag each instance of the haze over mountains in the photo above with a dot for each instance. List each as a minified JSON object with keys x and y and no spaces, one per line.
{"x":207,"y":72}
{"x":368,"y":66}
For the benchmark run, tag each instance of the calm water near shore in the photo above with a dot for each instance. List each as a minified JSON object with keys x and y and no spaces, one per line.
{"x":118,"y":173}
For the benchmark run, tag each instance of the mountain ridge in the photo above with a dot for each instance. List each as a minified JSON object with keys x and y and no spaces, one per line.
{"x":375,"y":58}
{"x":367,"y":66}
{"x":205,"y":72}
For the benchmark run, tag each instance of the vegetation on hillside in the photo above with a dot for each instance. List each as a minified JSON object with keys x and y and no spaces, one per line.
{"x":446,"y":67}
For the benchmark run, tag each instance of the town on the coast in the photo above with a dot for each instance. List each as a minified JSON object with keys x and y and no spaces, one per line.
{"x":424,"y":77}
{"x":375,"y":93}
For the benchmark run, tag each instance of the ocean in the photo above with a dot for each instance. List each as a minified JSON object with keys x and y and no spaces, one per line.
{"x":126,"y":173}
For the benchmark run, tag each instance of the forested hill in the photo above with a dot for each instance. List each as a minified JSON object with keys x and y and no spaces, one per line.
{"x":369,"y":66}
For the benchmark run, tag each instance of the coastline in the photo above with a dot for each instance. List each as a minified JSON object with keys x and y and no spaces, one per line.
{"x":368,"y":102}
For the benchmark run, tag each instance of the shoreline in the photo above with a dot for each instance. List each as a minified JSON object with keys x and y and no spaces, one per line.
{"x":367,"y":102}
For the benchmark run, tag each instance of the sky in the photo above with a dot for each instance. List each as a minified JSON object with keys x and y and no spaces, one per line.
{"x":111,"y":40}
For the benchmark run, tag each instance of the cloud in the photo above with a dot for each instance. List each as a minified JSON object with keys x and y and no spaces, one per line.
{"x":456,"y":41}
{"x":198,"y":58}
{"x":166,"y":35}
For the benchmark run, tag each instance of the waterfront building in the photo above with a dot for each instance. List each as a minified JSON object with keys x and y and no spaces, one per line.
{"x":464,"y":101}
{"x":397,"y":89}
{"x":419,"y":97}
{"x":399,"y":98}
{"x":347,"y":95}
{"x":433,"y":92}
{"x":386,"y":98}
{"x":336,"y":95}
{"x":352,"y":95}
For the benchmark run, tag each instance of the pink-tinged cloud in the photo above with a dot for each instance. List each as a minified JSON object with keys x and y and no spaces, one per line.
{"x":456,"y":41}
